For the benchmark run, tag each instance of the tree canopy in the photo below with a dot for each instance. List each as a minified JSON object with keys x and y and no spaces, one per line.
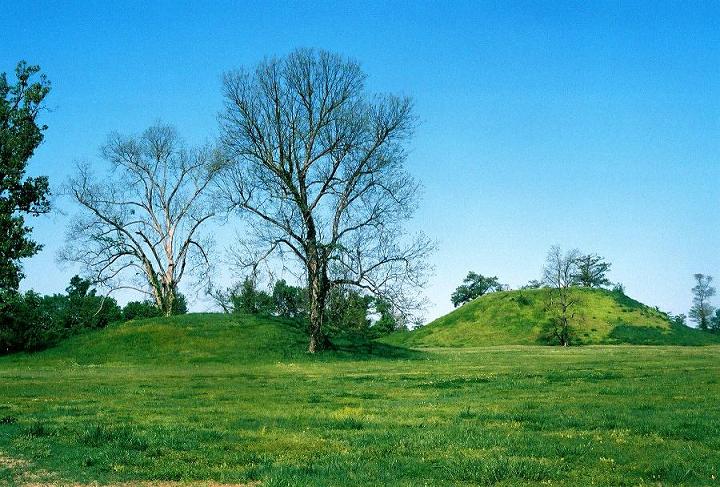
{"x":701,"y":311}
{"x":21,"y":102}
{"x":473,"y":286}
{"x":591,"y":271}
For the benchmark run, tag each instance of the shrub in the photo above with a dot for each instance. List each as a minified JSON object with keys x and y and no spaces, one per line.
{"x":289,"y":301}
{"x":137,"y":310}
{"x":251,"y":300}
{"x":678,"y":320}
{"x":180,"y":306}
{"x":32,"y":322}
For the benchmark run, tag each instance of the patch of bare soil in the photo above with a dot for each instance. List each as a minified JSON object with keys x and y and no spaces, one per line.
{"x":141,"y":484}
{"x":24,"y":478}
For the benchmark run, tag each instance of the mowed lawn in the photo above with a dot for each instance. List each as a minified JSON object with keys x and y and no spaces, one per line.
{"x":205,"y":407}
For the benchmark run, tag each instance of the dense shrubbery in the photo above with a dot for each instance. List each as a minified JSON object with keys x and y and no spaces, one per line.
{"x":32,"y":322}
{"x":138,"y":310}
{"x":347,"y":311}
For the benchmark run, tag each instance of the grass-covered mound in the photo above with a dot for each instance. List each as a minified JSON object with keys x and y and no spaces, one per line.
{"x":521,"y":318}
{"x":191,"y":338}
{"x":201,"y":338}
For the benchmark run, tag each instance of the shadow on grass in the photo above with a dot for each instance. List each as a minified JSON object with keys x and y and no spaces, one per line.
{"x":650,"y":335}
{"x":360,"y":347}
{"x":356,"y":345}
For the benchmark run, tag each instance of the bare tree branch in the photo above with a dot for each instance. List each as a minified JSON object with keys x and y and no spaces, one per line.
{"x":138,"y":225}
{"x":317,"y":168}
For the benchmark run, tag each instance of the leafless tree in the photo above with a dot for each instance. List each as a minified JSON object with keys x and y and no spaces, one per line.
{"x":559,"y":275}
{"x":317,"y":166}
{"x":140,"y":224}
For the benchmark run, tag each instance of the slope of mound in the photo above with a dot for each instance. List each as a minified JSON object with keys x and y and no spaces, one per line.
{"x":198,"y":338}
{"x":521,"y":318}
{"x":191,"y":338}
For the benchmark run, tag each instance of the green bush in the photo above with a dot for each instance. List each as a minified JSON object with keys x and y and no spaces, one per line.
{"x":30,"y":322}
{"x":137,"y":310}
{"x":180,"y":306}
{"x":289,"y":301}
{"x":250,"y":300}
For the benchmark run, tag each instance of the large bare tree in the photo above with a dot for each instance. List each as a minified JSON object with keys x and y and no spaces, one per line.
{"x":317,"y":166}
{"x":140,"y":224}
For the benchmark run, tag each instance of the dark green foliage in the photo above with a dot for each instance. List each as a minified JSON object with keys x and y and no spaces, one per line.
{"x":347,"y":311}
{"x":25,"y":323}
{"x":362,"y":316}
{"x":533,"y":284}
{"x":289,"y":301}
{"x":678,"y":320}
{"x":251,"y":300}
{"x":591,"y":271}
{"x":84,"y":308}
{"x":20,"y":135}
{"x":179,"y":306}
{"x":558,"y":331}
{"x":32,"y":322}
{"x":138,"y":310}
{"x":387,"y":321}
{"x":474,"y":286}
{"x":653,"y":335}
{"x":715,"y":322}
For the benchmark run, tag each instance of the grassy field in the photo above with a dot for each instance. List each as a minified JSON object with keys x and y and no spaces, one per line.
{"x":518,"y":318}
{"x":215,"y":398}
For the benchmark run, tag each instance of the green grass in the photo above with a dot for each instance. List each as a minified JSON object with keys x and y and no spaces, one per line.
{"x":519,"y":317}
{"x":212,"y":397}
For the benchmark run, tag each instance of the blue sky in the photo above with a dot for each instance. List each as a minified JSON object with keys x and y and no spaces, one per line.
{"x":586,"y":124}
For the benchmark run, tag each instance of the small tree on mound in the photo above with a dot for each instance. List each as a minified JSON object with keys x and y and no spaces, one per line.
{"x":474,"y":286}
{"x":591,"y":271}
{"x":701,"y":311}
{"x":289,"y":301}
{"x":558,"y":274}
{"x":248,"y":298}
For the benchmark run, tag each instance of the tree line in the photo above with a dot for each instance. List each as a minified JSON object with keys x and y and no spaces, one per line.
{"x":310,"y":163}
{"x":31,"y":321}
{"x":348,"y":312}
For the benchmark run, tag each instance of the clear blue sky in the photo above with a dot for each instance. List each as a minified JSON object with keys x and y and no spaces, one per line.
{"x":587,"y":124}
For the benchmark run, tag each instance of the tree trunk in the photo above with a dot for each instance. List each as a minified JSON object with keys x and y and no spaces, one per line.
{"x":169,"y":300}
{"x":318,"y":287}
{"x":164,"y":298}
